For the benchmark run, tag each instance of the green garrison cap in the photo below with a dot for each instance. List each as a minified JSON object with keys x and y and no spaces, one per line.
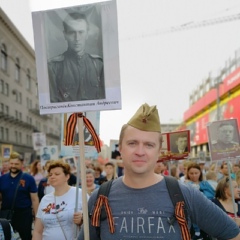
{"x":146,"y":119}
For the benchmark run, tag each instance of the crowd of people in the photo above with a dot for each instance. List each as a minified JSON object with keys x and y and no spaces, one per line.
{"x":138,"y":198}
{"x":44,"y":191}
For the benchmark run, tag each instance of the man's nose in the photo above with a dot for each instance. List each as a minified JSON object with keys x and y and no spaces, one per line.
{"x":140,"y":150}
{"x":77,"y":36}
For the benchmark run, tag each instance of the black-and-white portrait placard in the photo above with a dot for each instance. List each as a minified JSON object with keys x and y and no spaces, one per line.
{"x":39,"y":140}
{"x":179,"y":144}
{"x":223,"y":139}
{"x":77,"y":58}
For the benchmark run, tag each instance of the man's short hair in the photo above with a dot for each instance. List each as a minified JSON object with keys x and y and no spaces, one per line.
{"x":109,"y":164}
{"x":74,"y":16}
{"x":225,"y":124}
{"x":15,"y":155}
{"x":181,"y":135}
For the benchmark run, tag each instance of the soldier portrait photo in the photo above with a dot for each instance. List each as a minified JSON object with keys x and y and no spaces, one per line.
{"x":179,"y":142}
{"x":76,"y":70}
{"x":223,"y":139}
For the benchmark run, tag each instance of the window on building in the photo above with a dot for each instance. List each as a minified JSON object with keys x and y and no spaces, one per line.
{"x":6,"y":89}
{"x":6,"y":109}
{"x":17,"y":70}
{"x":2,"y":107}
{"x":6,"y":134}
{"x":20,"y":116}
{"x":4,"y":57}
{"x":1,"y":86}
{"x":16,"y":136}
{"x":30,"y":104}
{"x":27,"y":139}
{"x":36,"y":90}
{"x":1,"y":133}
{"x":16,"y":114}
{"x":28,"y":81}
{"x":19,"y":137}
{"x":20,"y":97}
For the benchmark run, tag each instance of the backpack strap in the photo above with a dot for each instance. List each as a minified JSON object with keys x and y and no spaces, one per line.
{"x":178,"y":201}
{"x":6,"y":228}
{"x":99,"y":212}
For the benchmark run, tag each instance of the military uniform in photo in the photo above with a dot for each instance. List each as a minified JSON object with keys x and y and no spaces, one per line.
{"x":76,"y":78}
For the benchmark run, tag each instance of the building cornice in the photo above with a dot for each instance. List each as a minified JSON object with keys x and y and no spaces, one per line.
{"x":15,"y":32}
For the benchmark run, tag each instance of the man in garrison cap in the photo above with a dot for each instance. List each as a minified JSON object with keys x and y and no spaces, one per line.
{"x":76,"y":75}
{"x":138,"y":204}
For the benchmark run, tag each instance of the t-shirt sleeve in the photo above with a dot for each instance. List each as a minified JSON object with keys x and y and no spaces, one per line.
{"x":40,"y":207}
{"x":209,"y":217}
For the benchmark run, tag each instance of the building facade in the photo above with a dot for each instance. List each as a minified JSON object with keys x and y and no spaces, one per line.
{"x":19,"y":109}
{"x":217,"y":98}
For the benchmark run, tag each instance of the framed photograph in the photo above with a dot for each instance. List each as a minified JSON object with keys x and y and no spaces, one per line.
{"x":77,"y":58}
{"x":48,"y":153}
{"x":164,"y":155}
{"x":39,"y":140}
{"x":179,"y":143}
{"x":114,"y":153}
{"x":6,"y":151}
{"x":72,"y":162}
{"x":223,"y":139}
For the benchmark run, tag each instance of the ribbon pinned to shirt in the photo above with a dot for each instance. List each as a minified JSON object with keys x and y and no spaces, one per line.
{"x":182,"y":221}
{"x":70,"y":130}
{"x":95,"y":221}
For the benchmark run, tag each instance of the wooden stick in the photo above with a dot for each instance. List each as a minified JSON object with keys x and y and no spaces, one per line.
{"x":83,"y":179}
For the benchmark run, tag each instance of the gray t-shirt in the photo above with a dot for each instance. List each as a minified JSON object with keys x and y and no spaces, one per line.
{"x":143,"y":214}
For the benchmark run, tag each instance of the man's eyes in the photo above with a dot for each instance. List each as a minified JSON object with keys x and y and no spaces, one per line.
{"x":149,"y":145}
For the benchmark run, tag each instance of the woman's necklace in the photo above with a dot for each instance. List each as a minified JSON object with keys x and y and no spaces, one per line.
{"x":58,"y":218}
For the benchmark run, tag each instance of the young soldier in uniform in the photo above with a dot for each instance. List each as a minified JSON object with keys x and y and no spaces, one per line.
{"x":76,"y":75}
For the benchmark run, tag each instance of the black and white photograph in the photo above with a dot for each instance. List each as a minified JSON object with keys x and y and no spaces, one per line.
{"x":223,"y":139}
{"x":76,"y":70}
{"x":180,"y":144}
{"x":39,"y":140}
{"x":48,"y":153}
{"x":76,"y":48}
{"x":72,"y":162}
{"x":114,"y":146}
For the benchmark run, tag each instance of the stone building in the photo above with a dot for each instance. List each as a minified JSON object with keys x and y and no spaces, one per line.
{"x":19,"y":109}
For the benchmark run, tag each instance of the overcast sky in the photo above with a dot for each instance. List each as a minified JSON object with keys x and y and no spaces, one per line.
{"x":158,"y":67}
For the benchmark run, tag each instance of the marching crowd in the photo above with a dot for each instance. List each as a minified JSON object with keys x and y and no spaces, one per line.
{"x":139,"y":202}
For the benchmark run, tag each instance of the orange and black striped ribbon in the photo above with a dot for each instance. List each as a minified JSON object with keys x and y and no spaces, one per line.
{"x":95,"y":221}
{"x":70,"y":130}
{"x":182,"y":221}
